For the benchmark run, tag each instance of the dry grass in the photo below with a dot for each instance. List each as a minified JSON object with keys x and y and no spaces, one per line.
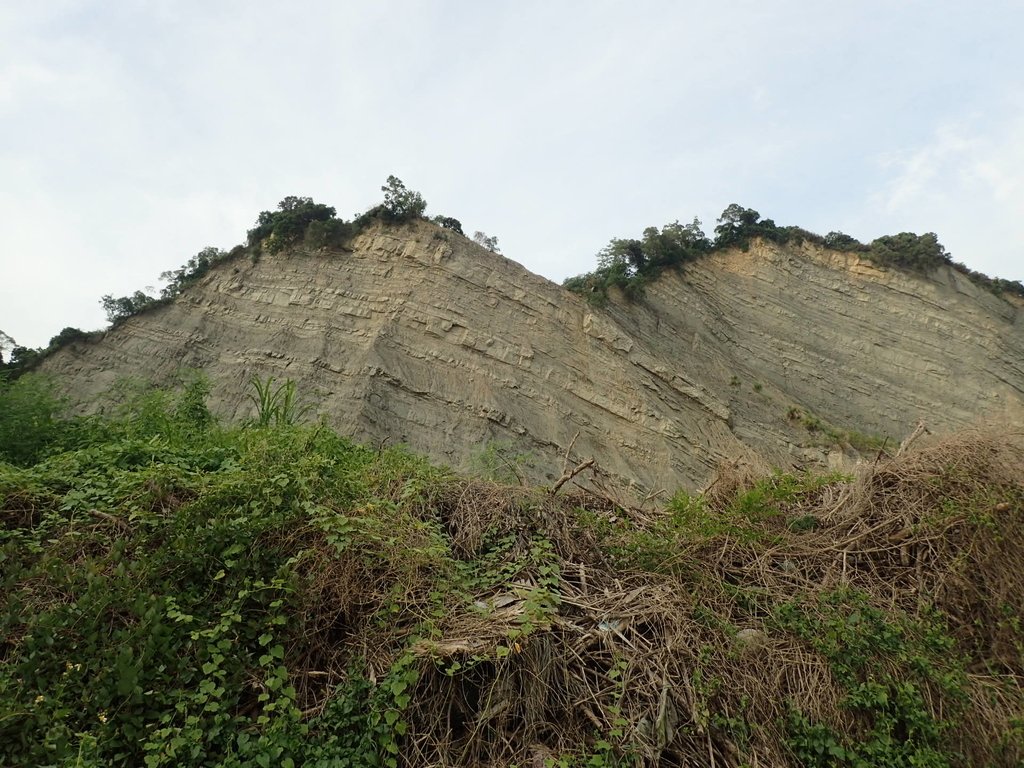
{"x":684,"y":662}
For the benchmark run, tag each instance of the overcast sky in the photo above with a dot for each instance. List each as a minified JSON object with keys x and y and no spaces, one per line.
{"x":133,"y":133}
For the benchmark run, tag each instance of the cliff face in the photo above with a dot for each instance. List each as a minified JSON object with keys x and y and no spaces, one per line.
{"x":419,"y":336}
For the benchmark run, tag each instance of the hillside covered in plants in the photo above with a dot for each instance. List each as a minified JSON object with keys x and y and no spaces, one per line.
{"x":181,"y":592}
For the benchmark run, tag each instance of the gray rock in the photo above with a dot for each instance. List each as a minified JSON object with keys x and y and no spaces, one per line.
{"x":420,"y":336}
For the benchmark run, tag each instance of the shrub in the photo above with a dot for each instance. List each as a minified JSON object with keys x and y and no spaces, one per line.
{"x":840,"y":241}
{"x":401,"y":203}
{"x":67,"y":336}
{"x":276,"y":230}
{"x":449,"y":223}
{"x":191,"y":271}
{"x":626,"y":263}
{"x":328,"y":233}
{"x":486,"y":241}
{"x":31,"y":419}
{"x":174,"y":594}
{"x":120,"y":309}
{"x":918,"y":253}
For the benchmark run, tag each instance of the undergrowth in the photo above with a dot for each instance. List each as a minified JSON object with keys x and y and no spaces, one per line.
{"x":827,"y":434}
{"x":175,"y":592}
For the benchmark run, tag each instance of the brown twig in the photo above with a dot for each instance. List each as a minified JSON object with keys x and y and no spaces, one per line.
{"x":567,"y":476}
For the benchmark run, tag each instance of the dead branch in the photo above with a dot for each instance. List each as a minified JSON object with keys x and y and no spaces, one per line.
{"x":567,"y":476}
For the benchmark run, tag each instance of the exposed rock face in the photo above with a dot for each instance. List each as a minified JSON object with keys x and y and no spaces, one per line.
{"x":419,"y":336}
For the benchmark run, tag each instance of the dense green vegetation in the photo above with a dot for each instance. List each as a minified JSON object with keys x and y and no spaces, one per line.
{"x":178,"y":592}
{"x":628,"y":264}
{"x":301,"y":220}
{"x":121,"y":308}
{"x":276,"y":230}
{"x":447,"y":222}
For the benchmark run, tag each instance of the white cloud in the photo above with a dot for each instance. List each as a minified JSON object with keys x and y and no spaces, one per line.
{"x":134,"y":134}
{"x":967,"y":184}
{"x":17,"y":79}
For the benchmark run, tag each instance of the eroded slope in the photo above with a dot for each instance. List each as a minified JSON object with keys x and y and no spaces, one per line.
{"x":419,"y":336}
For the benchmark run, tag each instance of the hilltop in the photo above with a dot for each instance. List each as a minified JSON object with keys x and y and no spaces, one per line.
{"x":774,"y":353}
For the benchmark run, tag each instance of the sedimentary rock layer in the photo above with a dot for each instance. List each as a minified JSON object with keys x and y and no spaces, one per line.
{"x":418,"y":336}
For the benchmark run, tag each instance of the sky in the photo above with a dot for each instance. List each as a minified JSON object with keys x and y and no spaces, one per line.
{"x":135,"y":133}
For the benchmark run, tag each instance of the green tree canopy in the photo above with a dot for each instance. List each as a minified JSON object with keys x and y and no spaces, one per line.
{"x":628,"y":263}
{"x":840,"y":241}
{"x":920,"y":253}
{"x":67,"y":336}
{"x":401,"y":203}
{"x":674,"y":244}
{"x":449,"y":223}
{"x":737,"y":226}
{"x":120,"y":309}
{"x":287,"y":225}
{"x":191,"y":271}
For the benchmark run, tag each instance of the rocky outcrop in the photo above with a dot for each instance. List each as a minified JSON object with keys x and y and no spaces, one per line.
{"x":416,"y":335}
{"x":868,"y":349}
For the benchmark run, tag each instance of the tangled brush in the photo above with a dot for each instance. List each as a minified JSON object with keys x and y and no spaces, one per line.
{"x":793,"y":620}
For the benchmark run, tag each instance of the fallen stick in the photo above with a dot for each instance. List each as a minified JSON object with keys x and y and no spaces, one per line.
{"x":567,"y":476}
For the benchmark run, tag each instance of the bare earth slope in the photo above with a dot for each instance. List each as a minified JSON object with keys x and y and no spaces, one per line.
{"x":419,"y":336}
